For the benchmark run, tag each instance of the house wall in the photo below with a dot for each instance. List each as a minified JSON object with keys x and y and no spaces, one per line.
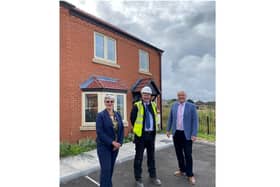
{"x":76,"y":66}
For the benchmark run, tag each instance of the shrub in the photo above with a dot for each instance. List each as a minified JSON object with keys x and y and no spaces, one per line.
{"x":83,"y":145}
{"x":87,"y":144}
{"x":64,"y":149}
{"x":75,"y":149}
{"x":129,"y":138}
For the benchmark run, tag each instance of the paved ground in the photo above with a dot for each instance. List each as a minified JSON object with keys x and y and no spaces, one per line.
{"x":81,"y":165}
{"x":204,"y":170}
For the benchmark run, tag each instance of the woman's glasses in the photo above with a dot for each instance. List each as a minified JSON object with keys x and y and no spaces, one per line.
{"x":109,"y":101}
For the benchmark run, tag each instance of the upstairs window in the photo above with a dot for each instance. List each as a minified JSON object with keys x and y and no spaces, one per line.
{"x":143,"y":61}
{"x":104,"y":48}
{"x":111,"y":48}
{"x":99,"y":46}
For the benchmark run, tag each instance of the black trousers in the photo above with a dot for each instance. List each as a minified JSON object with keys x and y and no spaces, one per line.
{"x":146,"y":141}
{"x":183,"y":148}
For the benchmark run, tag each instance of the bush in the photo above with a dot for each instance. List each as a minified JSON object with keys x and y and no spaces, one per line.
{"x":75,"y":149}
{"x":64,"y":149}
{"x":87,"y":144}
{"x":129,"y":138}
{"x":84,"y":145}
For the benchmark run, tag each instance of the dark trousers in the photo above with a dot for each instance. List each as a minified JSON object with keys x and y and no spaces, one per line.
{"x":183,"y":148}
{"x":146,"y":141}
{"x":107,"y":158}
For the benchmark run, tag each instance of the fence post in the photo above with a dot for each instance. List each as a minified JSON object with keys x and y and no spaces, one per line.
{"x":208,"y":125}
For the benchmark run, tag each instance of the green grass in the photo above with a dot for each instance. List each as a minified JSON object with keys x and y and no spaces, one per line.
{"x":210,"y":137}
{"x":202,"y":115}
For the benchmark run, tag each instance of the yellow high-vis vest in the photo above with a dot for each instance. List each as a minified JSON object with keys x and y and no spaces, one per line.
{"x":138,"y":124}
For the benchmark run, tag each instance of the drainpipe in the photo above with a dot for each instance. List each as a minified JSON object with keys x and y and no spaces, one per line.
{"x":160,"y":54}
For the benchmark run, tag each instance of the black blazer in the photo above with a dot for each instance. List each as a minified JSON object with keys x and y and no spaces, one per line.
{"x":133,"y":116}
{"x":105,"y":131}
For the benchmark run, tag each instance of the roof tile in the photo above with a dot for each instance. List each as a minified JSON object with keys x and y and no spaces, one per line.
{"x":103,"y":82}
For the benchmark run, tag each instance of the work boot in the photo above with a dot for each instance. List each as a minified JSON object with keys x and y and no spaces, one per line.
{"x":156,"y":181}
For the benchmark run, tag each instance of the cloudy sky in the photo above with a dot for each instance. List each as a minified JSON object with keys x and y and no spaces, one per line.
{"x":185,"y":30}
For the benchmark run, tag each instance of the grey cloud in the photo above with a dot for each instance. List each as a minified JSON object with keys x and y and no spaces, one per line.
{"x":195,"y":74}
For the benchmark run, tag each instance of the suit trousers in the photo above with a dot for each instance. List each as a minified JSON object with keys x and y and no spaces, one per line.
{"x":183,"y":149}
{"x":147,"y":141}
{"x":107,"y":158}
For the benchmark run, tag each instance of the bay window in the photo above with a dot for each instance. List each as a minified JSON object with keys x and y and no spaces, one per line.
{"x":93,"y":102}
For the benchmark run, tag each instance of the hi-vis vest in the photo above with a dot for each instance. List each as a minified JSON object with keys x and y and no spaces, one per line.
{"x":138,"y":124}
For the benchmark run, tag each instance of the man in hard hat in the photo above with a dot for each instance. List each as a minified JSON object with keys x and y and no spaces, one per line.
{"x":145,"y":123}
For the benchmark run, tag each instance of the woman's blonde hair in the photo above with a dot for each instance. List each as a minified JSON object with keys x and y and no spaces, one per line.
{"x":109,"y":96}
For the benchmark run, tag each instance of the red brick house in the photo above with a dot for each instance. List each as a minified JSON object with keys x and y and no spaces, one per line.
{"x":97,"y":58}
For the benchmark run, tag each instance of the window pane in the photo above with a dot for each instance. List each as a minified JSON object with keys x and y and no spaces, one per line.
{"x":99,"y":45}
{"x":141,"y":60}
{"x":111,"y":44}
{"x":91,"y":107}
{"x":120,"y":105}
{"x":144,"y":61}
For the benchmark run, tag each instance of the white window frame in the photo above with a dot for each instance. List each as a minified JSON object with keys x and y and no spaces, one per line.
{"x":139,"y":54}
{"x":101,"y":106}
{"x":105,"y":60}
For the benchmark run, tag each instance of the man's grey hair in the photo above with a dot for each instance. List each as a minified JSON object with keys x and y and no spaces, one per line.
{"x":181,"y":91}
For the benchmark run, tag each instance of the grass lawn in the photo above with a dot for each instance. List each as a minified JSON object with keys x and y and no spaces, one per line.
{"x":210,"y":137}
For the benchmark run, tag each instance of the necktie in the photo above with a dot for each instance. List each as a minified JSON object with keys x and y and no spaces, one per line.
{"x":147,"y":117}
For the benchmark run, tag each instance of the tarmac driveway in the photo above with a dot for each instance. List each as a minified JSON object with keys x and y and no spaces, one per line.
{"x":204,"y":170}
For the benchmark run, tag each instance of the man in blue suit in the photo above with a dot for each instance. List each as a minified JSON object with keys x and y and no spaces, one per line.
{"x":183,"y":121}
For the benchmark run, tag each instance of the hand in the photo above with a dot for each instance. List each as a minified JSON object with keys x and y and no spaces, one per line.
{"x":193,"y":138}
{"x":168,"y":134}
{"x":116,"y":145}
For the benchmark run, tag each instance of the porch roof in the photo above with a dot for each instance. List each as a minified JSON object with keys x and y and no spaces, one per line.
{"x":101,"y":83}
{"x":136,"y":88}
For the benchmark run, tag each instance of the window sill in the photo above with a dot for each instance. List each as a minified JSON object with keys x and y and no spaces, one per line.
{"x":87,"y":128}
{"x":144,"y":72}
{"x":104,"y":62}
{"x":93,"y":127}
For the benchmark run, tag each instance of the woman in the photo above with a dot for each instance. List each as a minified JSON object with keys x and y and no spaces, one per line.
{"x":109,"y":129}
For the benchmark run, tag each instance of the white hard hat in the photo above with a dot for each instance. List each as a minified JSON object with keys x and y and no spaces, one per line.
{"x":147,"y":90}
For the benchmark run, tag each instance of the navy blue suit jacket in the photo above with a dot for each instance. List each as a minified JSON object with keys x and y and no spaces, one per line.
{"x":190,"y":121}
{"x":105,"y":131}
